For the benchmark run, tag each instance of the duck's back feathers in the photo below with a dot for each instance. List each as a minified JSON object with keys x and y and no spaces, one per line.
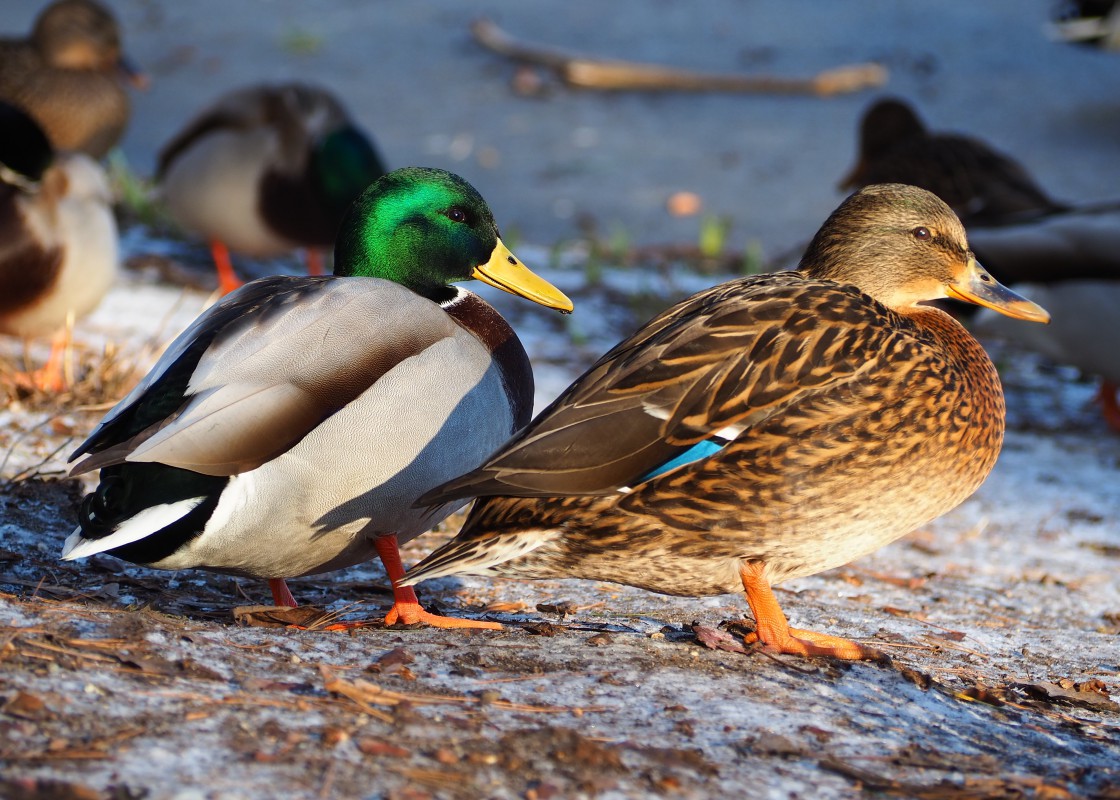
{"x":719,"y":365}
{"x":261,"y":369}
{"x":286,"y":110}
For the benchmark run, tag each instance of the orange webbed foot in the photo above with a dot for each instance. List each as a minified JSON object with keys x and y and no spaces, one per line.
{"x":810,"y":643}
{"x":53,"y":377}
{"x":408,"y":613}
{"x":773,"y":632}
{"x":406,"y":606}
{"x":227,"y":278}
{"x":45,"y":379}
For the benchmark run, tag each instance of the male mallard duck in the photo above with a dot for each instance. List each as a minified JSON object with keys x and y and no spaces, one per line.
{"x":67,"y":75}
{"x":980,"y":184}
{"x":58,"y":252}
{"x":266,"y":170}
{"x":761,"y":430}
{"x":290,"y":429}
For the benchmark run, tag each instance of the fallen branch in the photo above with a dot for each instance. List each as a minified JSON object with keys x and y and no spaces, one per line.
{"x":614,"y":75}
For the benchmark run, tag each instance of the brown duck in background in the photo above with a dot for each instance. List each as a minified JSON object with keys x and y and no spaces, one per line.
{"x":1071,"y":254}
{"x":58,"y":240}
{"x":68,"y":76}
{"x":982,"y":185}
{"x":764,"y":429}
{"x":266,"y":170}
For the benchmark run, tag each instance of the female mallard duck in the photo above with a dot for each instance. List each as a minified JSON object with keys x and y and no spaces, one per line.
{"x":291,"y":428}
{"x":266,"y":170}
{"x":1017,"y":231}
{"x":980,"y":184}
{"x":764,"y":429}
{"x":67,"y":75}
{"x":58,"y":251}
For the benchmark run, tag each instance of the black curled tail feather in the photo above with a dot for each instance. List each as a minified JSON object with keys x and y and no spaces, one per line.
{"x":126,"y":490}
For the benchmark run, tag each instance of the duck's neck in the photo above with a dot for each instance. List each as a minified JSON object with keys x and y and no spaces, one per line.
{"x":482,"y":320}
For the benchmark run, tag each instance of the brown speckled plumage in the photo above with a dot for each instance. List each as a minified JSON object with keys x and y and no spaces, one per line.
{"x":68,"y":75}
{"x":855,"y":414}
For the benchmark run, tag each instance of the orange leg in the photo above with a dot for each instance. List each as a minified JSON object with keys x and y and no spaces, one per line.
{"x":281,"y":595}
{"x":1106,"y":396}
{"x":773,"y":630}
{"x":227,"y":278}
{"x":314,"y":260}
{"x":406,"y":606}
{"x":51,"y":377}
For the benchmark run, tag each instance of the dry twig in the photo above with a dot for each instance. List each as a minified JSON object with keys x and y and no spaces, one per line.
{"x":615,"y":75}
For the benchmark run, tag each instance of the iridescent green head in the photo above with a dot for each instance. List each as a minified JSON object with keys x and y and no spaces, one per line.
{"x":427,"y":228}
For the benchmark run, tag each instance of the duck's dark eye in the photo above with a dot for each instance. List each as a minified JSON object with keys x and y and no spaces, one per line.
{"x":456,"y":214}
{"x":921,"y":232}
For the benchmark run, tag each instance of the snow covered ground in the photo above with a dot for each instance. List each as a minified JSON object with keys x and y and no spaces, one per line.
{"x":1001,"y":617}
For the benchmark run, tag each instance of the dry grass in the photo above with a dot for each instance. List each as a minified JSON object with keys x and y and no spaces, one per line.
{"x":96,"y":380}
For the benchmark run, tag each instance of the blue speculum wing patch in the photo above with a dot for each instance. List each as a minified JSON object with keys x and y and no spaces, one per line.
{"x":700,"y":450}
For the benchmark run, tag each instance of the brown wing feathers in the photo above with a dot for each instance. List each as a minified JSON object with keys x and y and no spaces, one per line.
{"x":729,"y":358}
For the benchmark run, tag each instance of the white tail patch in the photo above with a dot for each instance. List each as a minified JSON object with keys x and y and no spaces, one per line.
{"x":133,"y":529}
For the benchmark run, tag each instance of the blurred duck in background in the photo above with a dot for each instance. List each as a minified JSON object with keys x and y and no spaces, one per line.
{"x":58,"y":240}
{"x":982,"y":185}
{"x":266,"y":170}
{"x":1089,"y":22}
{"x":69,"y":75}
{"x":1085,"y":330}
{"x":1065,"y":257}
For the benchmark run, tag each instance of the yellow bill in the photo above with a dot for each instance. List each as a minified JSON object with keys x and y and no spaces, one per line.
{"x":976,"y":285}
{"x":505,"y":272}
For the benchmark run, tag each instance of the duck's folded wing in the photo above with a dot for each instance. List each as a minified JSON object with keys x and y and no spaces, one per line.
{"x":716,"y":365}
{"x":241,"y":111}
{"x":258,"y":372}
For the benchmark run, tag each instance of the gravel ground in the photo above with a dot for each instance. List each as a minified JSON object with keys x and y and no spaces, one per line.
{"x":1000,"y":620}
